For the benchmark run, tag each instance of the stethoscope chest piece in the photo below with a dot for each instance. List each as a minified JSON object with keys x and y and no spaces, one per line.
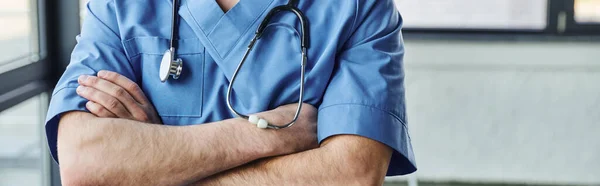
{"x":169,"y":66}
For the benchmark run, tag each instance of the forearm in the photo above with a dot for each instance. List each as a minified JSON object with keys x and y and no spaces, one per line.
{"x":294,"y":169}
{"x":337,"y":163}
{"x":106,"y":151}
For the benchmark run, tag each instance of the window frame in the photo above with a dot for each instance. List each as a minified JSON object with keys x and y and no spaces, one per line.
{"x":575,"y":28}
{"x":26,"y":81}
{"x":57,"y":24}
{"x":560,"y":23}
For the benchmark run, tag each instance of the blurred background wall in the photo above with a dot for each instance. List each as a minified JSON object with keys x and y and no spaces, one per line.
{"x":516,"y":112}
{"x":503,"y":107}
{"x":502,"y":92}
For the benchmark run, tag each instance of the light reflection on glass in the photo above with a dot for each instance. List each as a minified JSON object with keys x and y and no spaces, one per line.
{"x":21,"y":145}
{"x":15,"y":35}
{"x":587,"y":11}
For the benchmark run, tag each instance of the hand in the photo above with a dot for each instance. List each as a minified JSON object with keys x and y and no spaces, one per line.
{"x":299,"y":137}
{"x":115,"y":96}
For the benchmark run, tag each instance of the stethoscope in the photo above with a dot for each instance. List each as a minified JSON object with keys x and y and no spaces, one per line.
{"x":172,"y":66}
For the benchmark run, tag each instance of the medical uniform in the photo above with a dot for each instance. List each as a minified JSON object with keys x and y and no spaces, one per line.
{"x":354,"y":77}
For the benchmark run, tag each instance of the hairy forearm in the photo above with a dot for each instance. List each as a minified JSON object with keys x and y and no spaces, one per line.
{"x":345,"y":160}
{"x":107,"y":151}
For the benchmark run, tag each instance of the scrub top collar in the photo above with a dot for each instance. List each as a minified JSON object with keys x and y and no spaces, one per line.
{"x":222,"y":33}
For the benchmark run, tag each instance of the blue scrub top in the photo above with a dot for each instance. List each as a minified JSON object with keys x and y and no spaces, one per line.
{"x":354,"y":76}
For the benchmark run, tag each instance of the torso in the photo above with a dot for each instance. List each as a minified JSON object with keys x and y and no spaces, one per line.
{"x":211,"y":44}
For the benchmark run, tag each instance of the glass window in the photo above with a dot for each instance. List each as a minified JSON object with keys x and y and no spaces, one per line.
{"x":82,"y":9}
{"x":587,"y":11}
{"x":474,"y":14}
{"x":21,"y":143}
{"x":19,"y":33}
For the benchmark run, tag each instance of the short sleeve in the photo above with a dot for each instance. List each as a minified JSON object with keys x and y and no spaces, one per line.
{"x":99,"y":47}
{"x":365,"y":95}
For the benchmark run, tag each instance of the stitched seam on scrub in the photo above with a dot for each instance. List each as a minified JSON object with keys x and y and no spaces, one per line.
{"x":203,"y":32}
{"x":61,"y":89}
{"x":248,"y":27}
{"x":139,"y":52}
{"x":368,"y":106}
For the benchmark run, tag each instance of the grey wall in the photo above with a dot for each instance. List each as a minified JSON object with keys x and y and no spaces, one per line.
{"x":505,"y":111}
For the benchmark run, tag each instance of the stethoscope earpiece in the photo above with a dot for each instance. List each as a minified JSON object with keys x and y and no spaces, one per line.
{"x":170,"y":66}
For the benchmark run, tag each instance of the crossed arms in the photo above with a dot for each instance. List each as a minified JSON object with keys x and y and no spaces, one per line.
{"x":102,"y":148}
{"x":119,"y":142}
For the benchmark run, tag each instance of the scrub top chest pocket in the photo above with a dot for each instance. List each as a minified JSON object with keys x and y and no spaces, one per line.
{"x":174,"y":98}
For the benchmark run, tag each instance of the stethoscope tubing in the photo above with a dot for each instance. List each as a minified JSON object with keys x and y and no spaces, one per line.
{"x":301,"y":91}
{"x":174,"y":65}
{"x":174,"y":29}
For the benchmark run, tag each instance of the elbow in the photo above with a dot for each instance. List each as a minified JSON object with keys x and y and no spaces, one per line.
{"x":78,"y":173}
{"x":371,"y":180}
{"x":71,"y":176}
{"x":360,"y":170}
{"x":353,"y":170}
{"x":364,"y":177}
{"x":359,"y":160}
{"x":81,"y":169}
{"x":75,"y":154}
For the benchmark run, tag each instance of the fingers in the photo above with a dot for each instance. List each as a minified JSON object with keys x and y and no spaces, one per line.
{"x":114,"y":90}
{"x":131,"y":87}
{"x":99,"y":110}
{"x":104,"y":99}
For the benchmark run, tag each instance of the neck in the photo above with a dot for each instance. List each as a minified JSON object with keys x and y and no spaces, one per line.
{"x":226,"y":5}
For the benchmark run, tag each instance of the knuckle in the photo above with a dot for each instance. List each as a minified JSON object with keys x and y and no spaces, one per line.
{"x":142,"y":117}
{"x":104,"y":113}
{"x":101,"y":111}
{"x":308,"y":110}
{"x":91,"y":92}
{"x":92,"y":80}
{"x":309,"y":106}
{"x":112,"y":103}
{"x":96,"y":110}
{"x":120,"y":92}
{"x":111,"y":75}
{"x":134,"y":88}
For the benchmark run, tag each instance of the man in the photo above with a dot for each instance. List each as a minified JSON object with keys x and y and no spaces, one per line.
{"x":104,"y":119}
